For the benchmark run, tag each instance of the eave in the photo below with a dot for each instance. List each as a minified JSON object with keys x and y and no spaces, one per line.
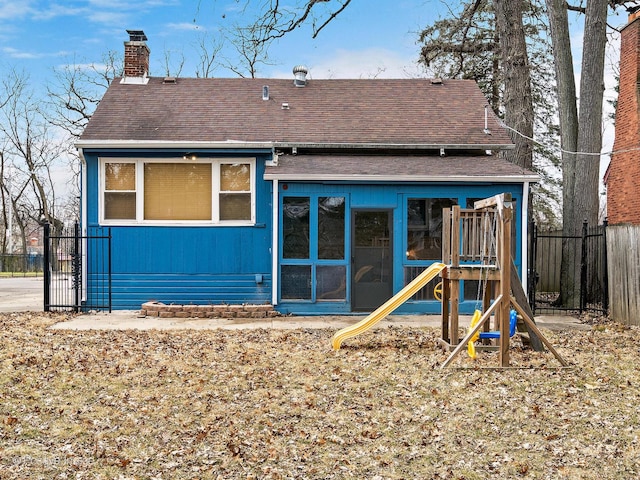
{"x":403,"y":178}
{"x":159,"y":144}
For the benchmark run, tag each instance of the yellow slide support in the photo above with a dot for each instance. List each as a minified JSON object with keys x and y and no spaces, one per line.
{"x":389,"y":306}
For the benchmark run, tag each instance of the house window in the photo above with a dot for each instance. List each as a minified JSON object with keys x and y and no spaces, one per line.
{"x":235,"y":191}
{"x":314,"y":262}
{"x":295,"y":223}
{"x":177,"y":191}
{"x":424,"y":227}
{"x":296,"y":283}
{"x":120,"y":191}
{"x":206,"y":191}
{"x":331,"y":216}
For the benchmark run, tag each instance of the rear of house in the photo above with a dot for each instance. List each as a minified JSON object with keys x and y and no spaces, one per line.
{"x":314,"y":196}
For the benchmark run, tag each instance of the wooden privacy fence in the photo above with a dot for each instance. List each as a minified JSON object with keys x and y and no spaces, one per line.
{"x":623,"y":252}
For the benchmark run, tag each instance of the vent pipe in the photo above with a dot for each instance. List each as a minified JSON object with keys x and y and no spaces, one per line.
{"x":300,"y":75}
{"x":486,"y":120}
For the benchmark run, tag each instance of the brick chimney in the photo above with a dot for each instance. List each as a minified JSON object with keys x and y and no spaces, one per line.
{"x":136,"y":58}
{"x":623,"y":174}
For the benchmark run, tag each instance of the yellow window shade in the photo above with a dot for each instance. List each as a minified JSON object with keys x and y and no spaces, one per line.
{"x":177,"y":191}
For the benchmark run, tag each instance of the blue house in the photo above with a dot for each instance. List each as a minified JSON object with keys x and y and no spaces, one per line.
{"x":314,"y":196}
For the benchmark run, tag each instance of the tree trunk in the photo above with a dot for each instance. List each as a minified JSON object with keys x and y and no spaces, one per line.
{"x":586,"y":194}
{"x":568,"y":115}
{"x":590,"y":126}
{"x":518,"y":101}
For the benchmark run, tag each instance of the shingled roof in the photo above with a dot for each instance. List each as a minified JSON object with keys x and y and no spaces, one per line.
{"x":375,"y":168}
{"x":449,"y":114}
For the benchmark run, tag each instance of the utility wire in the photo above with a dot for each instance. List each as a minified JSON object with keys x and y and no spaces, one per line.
{"x":634,"y":149}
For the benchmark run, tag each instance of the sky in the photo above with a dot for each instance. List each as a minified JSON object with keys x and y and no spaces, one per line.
{"x":369,"y":38}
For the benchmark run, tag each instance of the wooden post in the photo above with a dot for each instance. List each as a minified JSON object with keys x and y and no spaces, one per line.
{"x":446,"y":294}
{"x":446,"y":259}
{"x":455,"y":284}
{"x":505,"y":284}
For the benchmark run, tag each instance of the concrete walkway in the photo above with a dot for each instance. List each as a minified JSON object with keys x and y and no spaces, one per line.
{"x":126,"y":320}
{"x":20,"y":294}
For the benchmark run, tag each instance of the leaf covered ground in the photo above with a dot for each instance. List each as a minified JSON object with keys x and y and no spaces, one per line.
{"x":273,"y":404}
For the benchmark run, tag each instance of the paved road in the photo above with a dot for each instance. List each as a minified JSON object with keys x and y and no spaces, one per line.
{"x":21,"y":294}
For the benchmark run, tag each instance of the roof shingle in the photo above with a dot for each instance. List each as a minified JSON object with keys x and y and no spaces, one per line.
{"x":376,"y":111}
{"x":398,"y":167}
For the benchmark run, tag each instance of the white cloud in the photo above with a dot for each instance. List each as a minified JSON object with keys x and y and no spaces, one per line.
{"x":112,"y":18}
{"x":15,"y":53}
{"x":368,"y":63}
{"x":55,"y":10}
{"x":189,"y":26}
{"x":10,"y":9}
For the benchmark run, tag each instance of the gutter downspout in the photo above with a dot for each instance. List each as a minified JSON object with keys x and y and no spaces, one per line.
{"x":525,"y":236}
{"x":83,"y":221}
{"x":274,"y":243}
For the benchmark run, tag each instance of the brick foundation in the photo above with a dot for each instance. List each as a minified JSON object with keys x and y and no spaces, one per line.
{"x":157,"y":309}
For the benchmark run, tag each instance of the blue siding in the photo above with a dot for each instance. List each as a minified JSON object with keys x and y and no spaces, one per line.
{"x":129,"y":290}
{"x":224,"y":264}
{"x":394,"y":196}
{"x":188,"y":264}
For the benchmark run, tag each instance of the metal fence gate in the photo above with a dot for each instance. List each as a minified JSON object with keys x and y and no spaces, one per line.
{"x":77,"y":269}
{"x":545,"y":259}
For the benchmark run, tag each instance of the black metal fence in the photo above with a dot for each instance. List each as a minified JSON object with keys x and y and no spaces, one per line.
{"x":77,"y":274}
{"x":545,"y":275}
{"x":22,"y":264}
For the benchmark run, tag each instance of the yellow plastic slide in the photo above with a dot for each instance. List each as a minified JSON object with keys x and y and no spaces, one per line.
{"x":389,"y":306}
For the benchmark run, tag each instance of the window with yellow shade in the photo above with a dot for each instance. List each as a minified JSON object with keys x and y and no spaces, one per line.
{"x":235,"y":191}
{"x":120,"y":191}
{"x":195,"y":191}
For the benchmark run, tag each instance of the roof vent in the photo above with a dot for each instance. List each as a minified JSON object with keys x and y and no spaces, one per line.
{"x":300,"y":75}
{"x":170,"y":80}
{"x":265,"y":92}
{"x":436,"y":81}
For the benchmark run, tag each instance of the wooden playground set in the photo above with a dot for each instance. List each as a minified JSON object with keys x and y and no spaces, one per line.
{"x":476,"y":245}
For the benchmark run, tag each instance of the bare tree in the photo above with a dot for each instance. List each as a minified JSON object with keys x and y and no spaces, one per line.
{"x":173,"y":63}
{"x":10,"y":87}
{"x":580,"y":128}
{"x":208,"y":49}
{"x":518,"y":99}
{"x":251,"y":51}
{"x":76,"y":90}
{"x":276,"y":19}
{"x":251,"y":40}
{"x":73,"y":96}
{"x":32,"y":149}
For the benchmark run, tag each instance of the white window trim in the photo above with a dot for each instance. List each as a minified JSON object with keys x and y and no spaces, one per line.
{"x":215,"y":191}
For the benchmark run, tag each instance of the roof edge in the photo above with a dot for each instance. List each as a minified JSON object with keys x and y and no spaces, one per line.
{"x":274,"y":144}
{"x":397,"y":146}
{"x":155,"y":144}
{"x":405,"y":178}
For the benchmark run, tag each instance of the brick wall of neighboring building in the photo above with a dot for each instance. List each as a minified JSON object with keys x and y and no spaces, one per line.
{"x":623,"y":176}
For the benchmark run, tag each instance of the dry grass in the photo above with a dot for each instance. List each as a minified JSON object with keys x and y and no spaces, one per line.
{"x":280,"y":404}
